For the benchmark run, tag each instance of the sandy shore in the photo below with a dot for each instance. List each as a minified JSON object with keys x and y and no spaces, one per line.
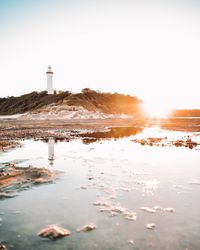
{"x":179,"y":124}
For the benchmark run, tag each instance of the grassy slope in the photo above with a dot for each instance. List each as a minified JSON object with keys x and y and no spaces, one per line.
{"x":186,"y":113}
{"x":91,"y":100}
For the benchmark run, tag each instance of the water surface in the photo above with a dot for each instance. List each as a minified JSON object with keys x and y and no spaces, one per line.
{"x":117,"y":172}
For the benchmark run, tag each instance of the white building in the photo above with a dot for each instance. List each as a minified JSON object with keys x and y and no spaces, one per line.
{"x":49,"y":80}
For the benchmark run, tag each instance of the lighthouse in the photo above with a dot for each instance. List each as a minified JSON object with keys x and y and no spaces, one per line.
{"x":49,"y":80}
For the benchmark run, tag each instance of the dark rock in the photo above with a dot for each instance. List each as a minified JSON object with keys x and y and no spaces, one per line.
{"x":3,"y":247}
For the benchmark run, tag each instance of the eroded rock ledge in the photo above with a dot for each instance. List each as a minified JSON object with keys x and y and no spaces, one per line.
{"x":14,"y":179}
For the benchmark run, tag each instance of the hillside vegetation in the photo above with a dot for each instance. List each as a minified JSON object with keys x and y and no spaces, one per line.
{"x":186,"y":113}
{"x":89,"y":99}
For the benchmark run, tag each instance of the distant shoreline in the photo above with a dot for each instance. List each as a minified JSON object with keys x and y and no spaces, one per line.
{"x":172,"y":123}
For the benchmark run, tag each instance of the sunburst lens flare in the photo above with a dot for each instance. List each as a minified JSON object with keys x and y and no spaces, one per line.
{"x":157,"y":109}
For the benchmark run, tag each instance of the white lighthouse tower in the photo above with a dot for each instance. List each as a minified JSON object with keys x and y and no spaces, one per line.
{"x":49,"y":80}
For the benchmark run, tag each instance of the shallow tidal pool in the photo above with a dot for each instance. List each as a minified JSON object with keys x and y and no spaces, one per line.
{"x":120,"y":186}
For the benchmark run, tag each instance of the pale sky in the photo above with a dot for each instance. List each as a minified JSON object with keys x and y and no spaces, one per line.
{"x":146,"y":48}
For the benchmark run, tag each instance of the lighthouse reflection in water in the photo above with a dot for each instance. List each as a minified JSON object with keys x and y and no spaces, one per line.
{"x":51,"y":142}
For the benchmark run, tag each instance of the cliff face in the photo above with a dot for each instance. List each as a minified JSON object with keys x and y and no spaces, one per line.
{"x":88,"y":99}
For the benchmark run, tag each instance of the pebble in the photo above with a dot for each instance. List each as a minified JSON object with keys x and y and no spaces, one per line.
{"x":87,"y":228}
{"x":4,"y":195}
{"x":3,"y":247}
{"x":54,"y":232}
{"x":169,"y":209}
{"x":115,"y":209}
{"x":150,"y":226}
{"x":130,"y":216}
{"x":148,"y":209}
{"x":131,"y":242}
{"x":40,"y":180}
{"x":156,"y":208}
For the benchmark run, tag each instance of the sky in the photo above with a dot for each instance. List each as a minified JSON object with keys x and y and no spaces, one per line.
{"x":147,"y":48}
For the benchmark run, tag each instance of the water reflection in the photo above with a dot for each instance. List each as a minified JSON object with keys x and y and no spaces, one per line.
{"x":133,"y":195}
{"x":51,"y":142}
{"x":110,"y":133}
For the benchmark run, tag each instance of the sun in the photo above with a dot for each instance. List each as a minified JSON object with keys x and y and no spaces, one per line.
{"x":157,"y":109}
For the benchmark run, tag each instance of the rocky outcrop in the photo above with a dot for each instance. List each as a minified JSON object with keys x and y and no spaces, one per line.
{"x":54,"y":232}
{"x":14,"y":179}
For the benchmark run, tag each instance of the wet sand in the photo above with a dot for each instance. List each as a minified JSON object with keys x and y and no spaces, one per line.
{"x":13,"y":130}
